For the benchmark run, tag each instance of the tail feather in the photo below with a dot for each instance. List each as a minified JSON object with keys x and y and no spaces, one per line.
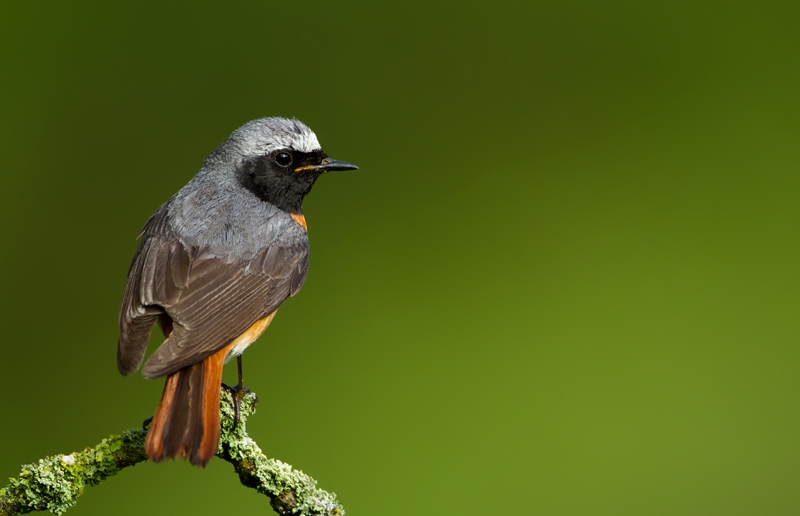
{"x":186,"y":422}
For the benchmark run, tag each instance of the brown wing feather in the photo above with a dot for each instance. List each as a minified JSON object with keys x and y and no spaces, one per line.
{"x":210,"y":301}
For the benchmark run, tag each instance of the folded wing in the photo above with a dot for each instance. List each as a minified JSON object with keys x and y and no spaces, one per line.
{"x":205,"y":300}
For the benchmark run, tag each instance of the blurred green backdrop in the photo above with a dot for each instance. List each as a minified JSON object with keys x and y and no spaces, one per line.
{"x":564,"y":280}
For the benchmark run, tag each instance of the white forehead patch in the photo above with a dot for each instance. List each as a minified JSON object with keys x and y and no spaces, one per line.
{"x":265,"y":135}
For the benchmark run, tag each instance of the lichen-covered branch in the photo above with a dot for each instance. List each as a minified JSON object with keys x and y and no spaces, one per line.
{"x":54,"y":483}
{"x":291,"y":492}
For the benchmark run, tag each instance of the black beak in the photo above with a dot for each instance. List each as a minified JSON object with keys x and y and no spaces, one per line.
{"x":330,"y":165}
{"x":327,"y":165}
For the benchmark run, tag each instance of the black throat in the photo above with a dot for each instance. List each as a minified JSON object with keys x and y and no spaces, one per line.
{"x":276,"y":185}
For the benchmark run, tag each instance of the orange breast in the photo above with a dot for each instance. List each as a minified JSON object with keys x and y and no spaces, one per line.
{"x":300,"y":219}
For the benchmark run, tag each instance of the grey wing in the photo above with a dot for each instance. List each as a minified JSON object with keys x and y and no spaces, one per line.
{"x":207,"y":301}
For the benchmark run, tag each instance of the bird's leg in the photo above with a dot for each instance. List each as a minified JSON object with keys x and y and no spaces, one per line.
{"x":237,"y":393}
{"x":240,"y":386}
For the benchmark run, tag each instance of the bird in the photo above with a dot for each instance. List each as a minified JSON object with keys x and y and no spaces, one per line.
{"x":212,"y":267}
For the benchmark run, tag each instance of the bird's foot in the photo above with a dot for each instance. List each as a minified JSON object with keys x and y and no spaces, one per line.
{"x":237,"y":395}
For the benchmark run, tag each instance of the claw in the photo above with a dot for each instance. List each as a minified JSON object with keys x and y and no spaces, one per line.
{"x":237,"y":394}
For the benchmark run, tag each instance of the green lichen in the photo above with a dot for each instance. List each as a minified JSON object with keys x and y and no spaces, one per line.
{"x":54,"y":483}
{"x":291,"y":491}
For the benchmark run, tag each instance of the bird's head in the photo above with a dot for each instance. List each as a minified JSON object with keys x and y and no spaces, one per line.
{"x":280,"y":160}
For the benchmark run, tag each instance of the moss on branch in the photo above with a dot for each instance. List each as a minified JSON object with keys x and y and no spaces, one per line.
{"x":54,"y":483}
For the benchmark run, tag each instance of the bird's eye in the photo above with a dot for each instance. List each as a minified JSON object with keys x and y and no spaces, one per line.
{"x":283,"y":159}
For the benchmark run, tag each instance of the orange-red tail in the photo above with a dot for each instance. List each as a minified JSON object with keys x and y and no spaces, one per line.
{"x":186,"y":422}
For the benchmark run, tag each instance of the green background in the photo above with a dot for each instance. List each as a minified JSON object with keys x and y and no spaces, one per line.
{"x":564,"y":280}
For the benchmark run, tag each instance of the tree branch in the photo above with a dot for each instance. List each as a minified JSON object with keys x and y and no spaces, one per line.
{"x":54,"y":483}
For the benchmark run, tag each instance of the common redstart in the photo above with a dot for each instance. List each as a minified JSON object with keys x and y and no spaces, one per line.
{"x":213,"y":265}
